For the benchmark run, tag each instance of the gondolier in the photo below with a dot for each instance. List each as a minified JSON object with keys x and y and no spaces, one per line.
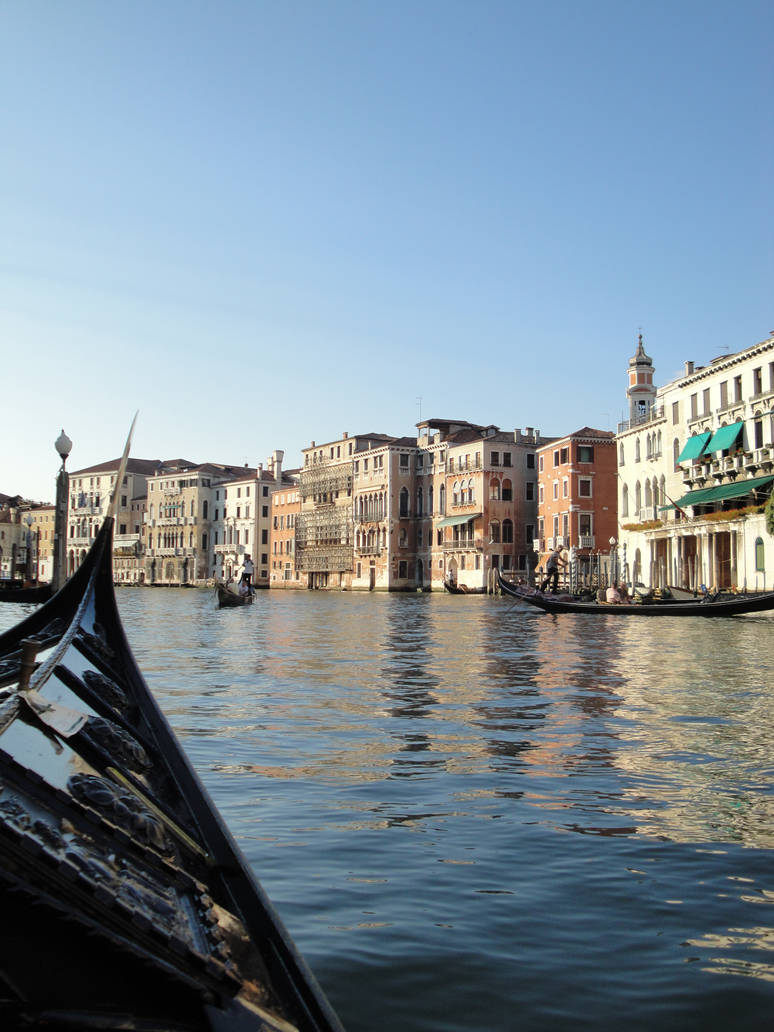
{"x":552,"y":569}
{"x":247,"y":571}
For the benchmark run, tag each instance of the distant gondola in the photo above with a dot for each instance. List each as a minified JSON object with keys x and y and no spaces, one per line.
{"x":228,"y":598}
{"x":462,"y":589}
{"x":125,"y":901}
{"x":717,"y":605}
{"x":36,"y":593}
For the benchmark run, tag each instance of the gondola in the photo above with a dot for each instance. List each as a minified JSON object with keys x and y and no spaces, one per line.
{"x":719,"y":605}
{"x":462,"y":589}
{"x":36,"y":593}
{"x":228,"y":598}
{"x":125,"y":901}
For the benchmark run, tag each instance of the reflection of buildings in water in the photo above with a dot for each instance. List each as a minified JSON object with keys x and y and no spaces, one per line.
{"x":697,"y":730}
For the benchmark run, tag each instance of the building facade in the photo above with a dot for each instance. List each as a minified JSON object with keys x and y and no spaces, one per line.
{"x":695,"y":471}
{"x":578,"y":499}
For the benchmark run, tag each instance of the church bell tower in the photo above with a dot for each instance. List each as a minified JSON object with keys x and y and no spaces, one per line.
{"x":641,"y":390}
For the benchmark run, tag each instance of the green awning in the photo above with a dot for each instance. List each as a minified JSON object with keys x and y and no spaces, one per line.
{"x":694,"y":446}
{"x":718,"y":494}
{"x":725,"y":437}
{"x":456,"y":521}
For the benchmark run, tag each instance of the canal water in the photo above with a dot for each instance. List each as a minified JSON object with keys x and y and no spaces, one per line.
{"x":476,"y":817}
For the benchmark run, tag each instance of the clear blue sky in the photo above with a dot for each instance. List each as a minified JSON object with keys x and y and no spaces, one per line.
{"x":262,"y":223}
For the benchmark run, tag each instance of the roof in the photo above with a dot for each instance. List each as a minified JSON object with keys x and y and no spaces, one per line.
{"x":145,"y":467}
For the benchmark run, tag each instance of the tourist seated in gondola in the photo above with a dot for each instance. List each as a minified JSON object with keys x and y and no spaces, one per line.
{"x":613,"y":595}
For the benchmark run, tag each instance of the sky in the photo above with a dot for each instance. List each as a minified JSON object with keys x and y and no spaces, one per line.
{"x":266,"y":223}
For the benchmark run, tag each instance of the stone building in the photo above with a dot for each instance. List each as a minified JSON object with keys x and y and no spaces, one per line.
{"x":285,"y":507}
{"x":695,"y":463}
{"x":578,"y":498}
{"x":90,"y":493}
{"x":325,"y":525}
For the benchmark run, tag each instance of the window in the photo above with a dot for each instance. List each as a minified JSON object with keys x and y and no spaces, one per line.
{"x":494,"y":532}
{"x":637,"y":450}
{"x":540,"y":466}
{"x":530,"y":491}
{"x":404,"y":460}
{"x":621,"y":454}
{"x":507,"y":459}
{"x":529,"y":533}
{"x":507,"y":532}
{"x":724,"y":394}
{"x":123,"y":502}
{"x":584,"y":525}
{"x":564,"y":455}
{"x":404,"y":501}
{"x":760,"y":564}
{"x":540,"y":495}
{"x":737,"y":388}
{"x":675,"y":411}
{"x":495,"y":458}
{"x":507,"y":491}
{"x":706,"y":400}
{"x":584,"y":487}
{"x":402,"y":569}
{"x":694,"y":406}
{"x":264,"y":537}
{"x":586,"y":453}
{"x":758,"y":380}
{"x":555,"y":491}
{"x":530,"y":460}
{"x":264,"y":510}
{"x":556,"y":458}
{"x":265,"y":492}
{"x":565,"y":487}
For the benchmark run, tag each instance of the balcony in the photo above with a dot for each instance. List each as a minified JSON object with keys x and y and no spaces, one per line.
{"x":586,"y":541}
{"x":656,"y":413}
{"x":229,"y":549}
{"x":464,"y":545}
{"x":369,"y":550}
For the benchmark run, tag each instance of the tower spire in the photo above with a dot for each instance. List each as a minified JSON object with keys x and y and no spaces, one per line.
{"x":641,"y":391}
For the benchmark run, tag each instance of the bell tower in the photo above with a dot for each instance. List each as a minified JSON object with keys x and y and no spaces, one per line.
{"x":641,"y":391}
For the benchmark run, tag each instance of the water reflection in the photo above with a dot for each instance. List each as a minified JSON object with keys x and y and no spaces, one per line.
{"x":575,"y":798}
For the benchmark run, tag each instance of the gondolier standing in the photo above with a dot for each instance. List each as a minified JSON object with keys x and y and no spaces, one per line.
{"x":552,"y":569}
{"x":247,"y":572}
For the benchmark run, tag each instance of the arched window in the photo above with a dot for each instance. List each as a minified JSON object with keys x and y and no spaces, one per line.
{"x":760,"y":556}
{"x":507,"y":491}
{"x":419,"y":501}
{"x":658,"y":443}
{"x":442,"y":500}
{"x":637,"y":499}
{"x":456,"y":493}
{"x":637,"y":450}
{"x":494,"y":531}
{"x":675,"y":451}
{"x":404,"y":501}
{"x":648,"y":495}
{"x":621,"y":454}
{"x":625,"y":500}
{"x":494,"y":490}
{"x":204,"y":509}
{"x":507,"y":532}
{"x":430,"y":500}
{"x":470,"y":491}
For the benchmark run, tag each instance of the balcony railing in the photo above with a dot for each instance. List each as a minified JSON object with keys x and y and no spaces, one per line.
{"x":368,"y":550}
{"x":652,"y":416}
{"x":464,"y":545}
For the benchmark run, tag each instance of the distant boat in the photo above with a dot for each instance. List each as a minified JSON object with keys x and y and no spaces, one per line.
{"x":38,"y":593}
{"x":228,"y":598}
{"x":126,"y":903}
{"x":462,"y":589}
{"x":719,"y":605}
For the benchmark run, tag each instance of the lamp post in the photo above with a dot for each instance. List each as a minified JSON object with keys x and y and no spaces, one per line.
{"x":63,"y":446}
{"x":28,"y":563}
{"x":613,"y":557}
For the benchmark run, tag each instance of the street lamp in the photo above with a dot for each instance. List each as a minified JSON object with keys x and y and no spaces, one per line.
{"x":63,"y":445}
{"x":28,"y":564}
{"x":613,"y":556}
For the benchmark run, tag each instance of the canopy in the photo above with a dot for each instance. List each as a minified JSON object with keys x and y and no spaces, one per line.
{"x":455,"y":521}
{"x":725,"y":437}
{"x":694,"y":446}
{"x":717,"y":494}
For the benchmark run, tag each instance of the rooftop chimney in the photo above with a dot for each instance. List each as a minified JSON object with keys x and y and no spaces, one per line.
{"x":344,"y":436}
{"x":517,"y":434}
{"x":688,"y":368}
{"x":277,"y":456}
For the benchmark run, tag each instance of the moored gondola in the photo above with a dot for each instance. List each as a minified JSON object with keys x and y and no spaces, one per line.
{"x":709,"y":605}
{"x":126,"y":903}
